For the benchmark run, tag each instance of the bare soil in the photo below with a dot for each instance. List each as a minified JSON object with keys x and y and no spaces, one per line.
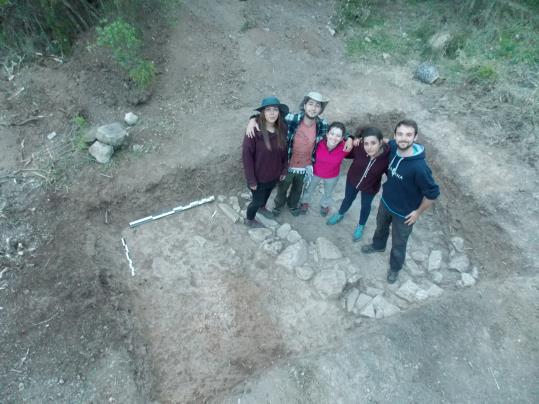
{"x":209,"y":316}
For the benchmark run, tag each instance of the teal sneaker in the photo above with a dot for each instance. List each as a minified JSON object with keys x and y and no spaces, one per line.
{"x":336,"y":218}
{"x":358,"y":233}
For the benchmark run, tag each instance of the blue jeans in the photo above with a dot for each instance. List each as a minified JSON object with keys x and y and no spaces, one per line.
{"x":329,"y":186}
{"x":350,"y":194}
{"x":400,"y":232}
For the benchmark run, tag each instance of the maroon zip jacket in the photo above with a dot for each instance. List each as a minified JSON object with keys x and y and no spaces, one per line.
{"x":371,"y":183}
{"x":261,"y":164}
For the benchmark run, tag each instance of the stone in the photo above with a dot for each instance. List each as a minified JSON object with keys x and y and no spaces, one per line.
{"x":329,"y":283}
{"x":409,"y":291}
{"x":354,"y":278}
{"x":221,"y":198}
{"x":233,"y":201}
{"x":434,"y":291}
{"x":130,"y":118}
{"x":466,"y":280}
{"x":52,"y":135}
{"x":350,"y":299}
{"x":386,"y":56}
{"x":229,"y":212}
{"x":304,"y":272}
{"x":327,"y":250}
{"x":460,"y":263}
{"x":101,"y":152}
{"x":245,"y":196}
{"x":272,"y":224}
{"x":362,"y":301}
{"x":437,"y":277}
{"x":112,"y":134}
{"x":260,"y":234}
{"x":413,"y":268}
{"x":373,"y":291}
{"x":293,"y":236}
{"x":382,"y":308}
{"x":435,"y":260}
{"x":458,"y":243}
{"x":439,"y":41}
{"x":272,"y":247}
{"x":137,"y":148}
{"x":368,"y":311}
{"x":283,"y":230}
{"x":418,"y":256}
{"x":427,"y":73}
{"x":475,"y":273}
{"x":89,"y":136}
{"x":293,"y":256}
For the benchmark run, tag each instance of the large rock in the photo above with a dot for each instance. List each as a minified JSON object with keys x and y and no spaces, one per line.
{"x":130,"y":118}
{"x":112,"y":134}
{"x":293,"y":256}
{"x":304,"y":272}
{"x":327,"y":250}
{"x":458,"y":243}
{"x":434,"y":291}
{"x":368,"y":311}
{"x":101,"y":152}
{"x":272,"y":247}
{"x":272,"y":224}
{"x":283,"y":230}
{"x":465,"y":280}
{"x":437,"y":277}
{"x":460,"y":263}
{"x":382,"y":308}
{"x":435,"y":260}
{"x":411,"y":292}
{"x":293,"y":236}
{"x":439,"y":41}
{"x":350,"y":299}
{"x":330,"y":283}
{"x":229,"y":212}
{"x":260,"y":234}
{"x":361,"y":302}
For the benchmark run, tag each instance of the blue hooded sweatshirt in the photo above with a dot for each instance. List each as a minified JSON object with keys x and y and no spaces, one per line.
{"x":409,"y":179}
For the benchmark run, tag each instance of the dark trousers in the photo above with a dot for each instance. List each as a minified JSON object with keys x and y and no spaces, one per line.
{"x":295,"y":183}
{"x":260,"y":197}
{"x":350,"y":193}
{"x":400,"y":232}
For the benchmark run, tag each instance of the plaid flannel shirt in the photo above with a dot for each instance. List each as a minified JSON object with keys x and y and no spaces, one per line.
{"x":293,"y":121}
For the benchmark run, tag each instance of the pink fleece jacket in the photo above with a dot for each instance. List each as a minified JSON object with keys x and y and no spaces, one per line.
{"x":328,"y":163}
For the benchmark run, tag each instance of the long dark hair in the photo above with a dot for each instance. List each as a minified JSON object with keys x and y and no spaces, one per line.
{"x":280,"y":130}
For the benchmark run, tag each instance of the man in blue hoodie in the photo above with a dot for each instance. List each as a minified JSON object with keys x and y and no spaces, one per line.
{"x":407,"y":193}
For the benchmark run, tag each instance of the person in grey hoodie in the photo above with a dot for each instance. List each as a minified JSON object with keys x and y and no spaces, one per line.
{"x":409,"y":190}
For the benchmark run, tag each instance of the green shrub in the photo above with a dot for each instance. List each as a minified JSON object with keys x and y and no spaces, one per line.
{"x":482,"y":74}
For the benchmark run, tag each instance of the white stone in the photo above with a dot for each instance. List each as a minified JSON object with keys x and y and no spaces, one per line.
{"x":330,"y":283}
{"x":233,"y":200}
{"x":304,"y":272}
{"x":112,"y":134}
{"x":373,"y":291}
{"x":467,"y":279}
{"x":419,"y":256}
{"x":368,"y":311}
{"x":229,"y":212}
{"x":293,"y":236}
{"x":327,"y":250}
{"x":272,"y":224}
{"x":130,"y":118}
{"x":460,"y":263}
{"x":221,"y":198}
{"x":421,"y":295}
{"x":458,"y":243}
{"x":435,"y":260}
{"x":437,"y":277}
{"x":101,"y":152}
{"x":283,"y":230}
{"x":475,"y":273}
{"x":138,"y":148}
{"x":246,"y":196}
{"x":272,"y":247}
{"x":413,"y":268}
{"x":260,"y":234}
{"x":408,"y":291}
{"x":52,"y":135}
{"x":362,"y":301}
{"x":382,"y":308}
{"x":350,"y":299}
{"x":435,"y":291}
{"x":439,"y":40}
{"x":293,"y":256}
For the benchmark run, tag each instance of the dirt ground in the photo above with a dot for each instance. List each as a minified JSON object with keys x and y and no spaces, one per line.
{"x":211,"y":315}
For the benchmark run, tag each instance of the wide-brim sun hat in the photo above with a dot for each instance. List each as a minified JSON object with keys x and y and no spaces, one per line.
{"x":313,"y":95}
{"x":273,"y":101}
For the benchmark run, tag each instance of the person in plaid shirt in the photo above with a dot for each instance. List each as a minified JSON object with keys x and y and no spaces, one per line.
{"x":305,"y":130}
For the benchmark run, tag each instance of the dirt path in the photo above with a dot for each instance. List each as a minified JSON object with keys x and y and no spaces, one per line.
{"x":211,"y":315}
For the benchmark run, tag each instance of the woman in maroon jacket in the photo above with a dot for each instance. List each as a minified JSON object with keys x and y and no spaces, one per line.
{"x":265,"y":157}
{"x":365,"y":174}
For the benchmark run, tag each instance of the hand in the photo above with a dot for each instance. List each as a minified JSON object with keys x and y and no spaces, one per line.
{"x":348,"y":145}
{"x":253,"y":187}
{"x":282,"y":177}
{"x":251,"y":126}
{"x":358,"y":141}
{"x":412,"y":218}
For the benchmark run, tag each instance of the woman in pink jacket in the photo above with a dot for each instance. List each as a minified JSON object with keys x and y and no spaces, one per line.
{"x":328,"y":158}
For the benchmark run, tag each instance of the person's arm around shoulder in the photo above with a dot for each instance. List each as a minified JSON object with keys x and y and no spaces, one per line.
{"x":252,"y":126}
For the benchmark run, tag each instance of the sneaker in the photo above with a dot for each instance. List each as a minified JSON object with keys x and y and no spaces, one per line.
{"x":252,"y":223}
{"x":358,"y":233}
{"x":336,"y":218}
{"x":369,"y":249}
{"x":303,"y":208}
{"x":266,"y":212}
{"x":324,"y":211}
{"x":295,"y":211}
{"x":392,"y":276}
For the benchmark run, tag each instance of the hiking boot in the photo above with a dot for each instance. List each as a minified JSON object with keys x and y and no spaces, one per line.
{"x":358,"y":233}
{"x":324,"y":211}
{"x":392,"y":276}
{"x":303,"y":208}
{"x":252,"y":223}
{"x":276,"y":211}
{"x":266,"y":212}
{"x":295,"y":211}
{"x":336,"y":218}
{"x":369,"y":249}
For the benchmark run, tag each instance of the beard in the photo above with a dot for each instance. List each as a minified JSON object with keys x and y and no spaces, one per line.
{"x":408,"y":145}
{"x":310,"y":116}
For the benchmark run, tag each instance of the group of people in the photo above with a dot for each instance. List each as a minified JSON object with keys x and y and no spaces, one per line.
{"x":280,"y":149}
